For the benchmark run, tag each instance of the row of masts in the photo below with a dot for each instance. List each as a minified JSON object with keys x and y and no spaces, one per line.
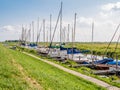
{"x":28,"y":34}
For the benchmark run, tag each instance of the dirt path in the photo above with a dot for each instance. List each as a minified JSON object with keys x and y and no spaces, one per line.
{"x":91,"y":79}
{"x":32,"y":82}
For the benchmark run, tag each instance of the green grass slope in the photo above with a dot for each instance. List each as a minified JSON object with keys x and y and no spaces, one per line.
{"x":10,"y":77}
{"x":48,"y":77}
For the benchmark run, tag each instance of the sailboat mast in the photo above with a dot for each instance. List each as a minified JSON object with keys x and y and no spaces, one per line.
{"x":25,"y":34}
{"x":64,"y":34}
{"x":22,"y":34}
{"x":44,"y":30}
{"x":61,"y":23}
{"x":68,"y":32}
{"x":73,"y":34}
{"x":37,"y":31}
{"x":30,"y":33}
{"x":47,"y":38}
{"x":33,"y":30}
{"x":72,"y":42}
{"x":105,"y":52}
{"x":59,"y":15}
{"x":92,"y":43}
{"x":74,"y":26}
{"x":50,"y":26}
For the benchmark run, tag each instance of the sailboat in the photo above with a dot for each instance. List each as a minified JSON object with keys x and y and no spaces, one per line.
{"x":55,"y":51}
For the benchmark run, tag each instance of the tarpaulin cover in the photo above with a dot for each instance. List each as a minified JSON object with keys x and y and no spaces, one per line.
{"x":104,"y":61}
{"x":72,"y":51}
{"x":113,"y":63}
{"x":62,"y":48}
{"x":32,"y":45}
{"x":75,"y":50}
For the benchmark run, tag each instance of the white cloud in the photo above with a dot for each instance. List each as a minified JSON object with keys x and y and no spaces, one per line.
{"x":10,"y":28}
{"x":111,"y":6}
{"x":10,"y":32}
{"x":85,"y":20}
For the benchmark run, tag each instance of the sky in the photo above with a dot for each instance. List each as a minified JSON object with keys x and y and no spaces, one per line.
{"x":104,"y":13}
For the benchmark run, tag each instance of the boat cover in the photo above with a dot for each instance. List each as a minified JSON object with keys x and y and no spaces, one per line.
{"x":73,"y":51}
{"x":113,"y":63}
{"x":32,"y":45}
{"x":104,"y":61}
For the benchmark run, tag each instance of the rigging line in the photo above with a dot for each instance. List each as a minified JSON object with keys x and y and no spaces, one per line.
{"x":54,"y":29}
{"x":117,"y":44}
{"x":105,"y":52}
{"x":61,"y":24}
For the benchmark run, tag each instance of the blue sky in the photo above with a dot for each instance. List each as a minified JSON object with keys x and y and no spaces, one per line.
{"x":18,"y":12}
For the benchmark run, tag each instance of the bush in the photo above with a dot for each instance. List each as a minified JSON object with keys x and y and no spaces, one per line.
{"x":70,"y":62}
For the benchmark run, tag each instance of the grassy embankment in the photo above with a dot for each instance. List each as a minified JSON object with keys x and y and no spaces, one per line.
{"x":113,"y":80}
{"x":21,"y":72}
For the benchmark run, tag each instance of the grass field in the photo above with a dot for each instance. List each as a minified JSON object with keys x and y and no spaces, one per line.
{"x":21,"y":72}
{"x":10,"y":76}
